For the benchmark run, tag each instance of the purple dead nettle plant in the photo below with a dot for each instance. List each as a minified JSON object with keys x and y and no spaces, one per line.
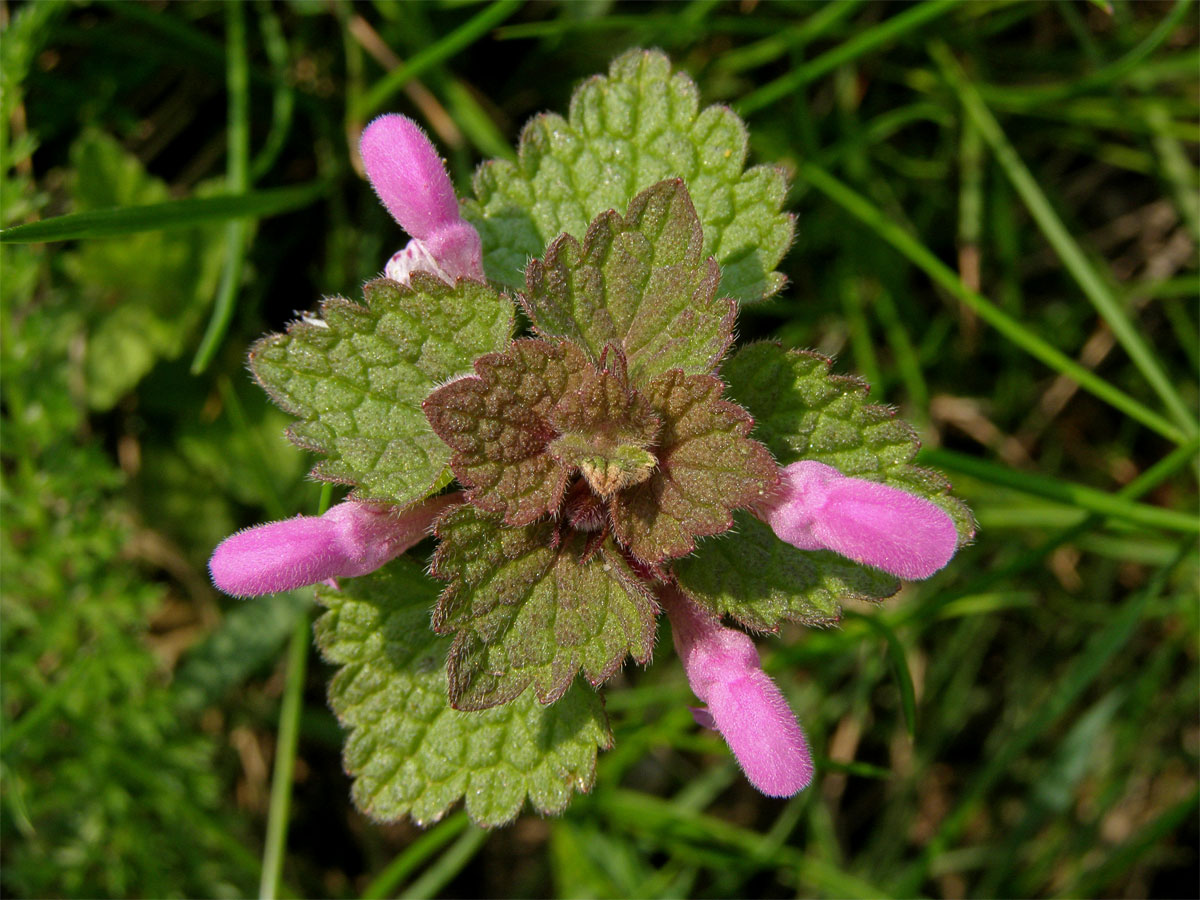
{"x":617,"y":462}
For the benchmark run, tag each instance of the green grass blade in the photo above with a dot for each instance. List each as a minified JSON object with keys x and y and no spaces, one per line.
{"x":237,"y":77}
{"x":1048,"y":797}
{"x":904,"y":353}
{"x":1077,"y":495}
{"x":285,"y":762}
{"x":326,"y":498}
{"x":1140,"y":486}
{"x":855,"y":768}
{"x":663,"y":822}
{"x":904,"y":682}
{"x":695,"y":12}
{"x":863,"y":42}
{"x":970,"y":192}
{"x":1179,"y":312}
{"x":671,"y":26}
{"x":475,"y":122}
{"x":454,"y":42}
{"x":109,"y":223}
{"x":861,"y":343}
{"x":1085,"y":273}
{"x":1114,"y":71}
{"x":1093,"y":882}
{"x":871,"y":216}
{"x":283,"y":104}
{"x":1086,"y":667}
{"x":574,"y":869}
{"x":237,"y":235}
{"x":414,"y":855}
{"x":1161,"y":470}
{"x":1177,"y":169}
{"x":770,"y":48}
{"x":448,"y":865}
{"x":237,"y":181}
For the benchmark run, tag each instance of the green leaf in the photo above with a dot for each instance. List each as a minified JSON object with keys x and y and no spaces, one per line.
{"x":639,"y":282}
{"x":761,"y":581}
{"x":529,"y":609}
{"x":497,"y":425}
{"x":802,"y":411}
{"x":707,"y":467}
{"x":143,"y":296}
{"x":635,"y":127}
{"x":357,"y":377}
{"x":409,"y":753}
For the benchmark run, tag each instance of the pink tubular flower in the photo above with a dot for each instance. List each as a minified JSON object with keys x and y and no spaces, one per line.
{"x":352,"y":538}
{"x":819,"y":508}
{"x":744,"y":704}
{"x":411,"y":180}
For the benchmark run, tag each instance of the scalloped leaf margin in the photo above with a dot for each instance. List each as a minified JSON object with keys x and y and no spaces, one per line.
{"x":803,"y":411}
{"x":357,"y":374}
{"x":638,"y":125}
{"x":408,"y":752}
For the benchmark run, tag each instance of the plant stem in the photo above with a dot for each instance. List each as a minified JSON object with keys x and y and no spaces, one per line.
{"x":285,"y":762}
{"x":237,"y":181}
{"x":448,"y":865}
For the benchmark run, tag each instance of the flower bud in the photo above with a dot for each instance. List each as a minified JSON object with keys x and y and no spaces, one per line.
{"x":819,"y":508}
{"x":350,"y":539}
{"x":411,"y":181}
{"x":744,"y":704}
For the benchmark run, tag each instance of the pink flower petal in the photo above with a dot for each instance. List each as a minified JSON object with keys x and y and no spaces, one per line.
{"x":408,"y":175}
{"x":458,"y":250}
{"x":352,"y":538}
{"x":415,"y":257}
{"x":278,"y":556}
{"x":744,"y":704}
{"x":451,"y":253}
{"x":756,"y":722}
{"x":868,"y":522}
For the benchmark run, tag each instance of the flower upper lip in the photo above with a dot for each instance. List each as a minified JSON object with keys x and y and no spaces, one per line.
{"x":819,"y":508}
{"x":410,"y":178}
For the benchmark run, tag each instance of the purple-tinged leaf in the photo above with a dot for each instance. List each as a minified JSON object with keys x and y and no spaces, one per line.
{"x":707,"y":468}
{"x":640,"y":282}
{"x":497,"y":424}
{"x":606,"y":432}
{"x":529,"y":611}
{"x":410,"y":753}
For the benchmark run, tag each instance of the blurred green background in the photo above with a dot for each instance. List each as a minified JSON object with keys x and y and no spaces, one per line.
{"x":997,"y":225}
